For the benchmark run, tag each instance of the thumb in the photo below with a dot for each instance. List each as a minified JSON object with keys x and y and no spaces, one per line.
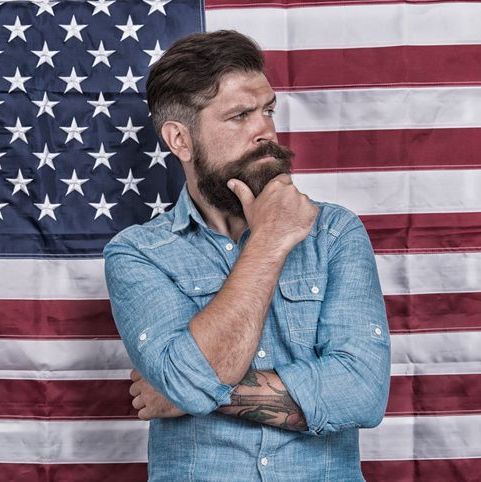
{"x":242,"y":191}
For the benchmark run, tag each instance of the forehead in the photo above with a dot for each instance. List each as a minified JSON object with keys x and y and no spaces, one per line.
{"x":247,"y":88}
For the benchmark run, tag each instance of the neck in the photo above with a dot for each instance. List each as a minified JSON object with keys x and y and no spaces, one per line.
{"x":219,"y":221}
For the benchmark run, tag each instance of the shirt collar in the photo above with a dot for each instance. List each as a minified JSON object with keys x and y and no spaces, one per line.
{"x":185,"y":211}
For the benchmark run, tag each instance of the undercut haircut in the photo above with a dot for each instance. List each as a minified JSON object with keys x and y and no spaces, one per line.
{"x":186,"y":78}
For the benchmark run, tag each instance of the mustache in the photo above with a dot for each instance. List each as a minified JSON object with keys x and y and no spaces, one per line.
{"x":267,"y":148}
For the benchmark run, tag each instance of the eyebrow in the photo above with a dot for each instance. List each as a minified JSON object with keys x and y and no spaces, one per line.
{"x":243,"y":108}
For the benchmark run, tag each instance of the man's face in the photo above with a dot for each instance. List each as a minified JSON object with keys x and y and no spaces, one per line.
{"x":237,"y":139}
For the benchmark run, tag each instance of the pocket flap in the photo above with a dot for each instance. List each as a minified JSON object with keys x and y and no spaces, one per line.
{"x":201,"y":286}
{"x":304,"y":288}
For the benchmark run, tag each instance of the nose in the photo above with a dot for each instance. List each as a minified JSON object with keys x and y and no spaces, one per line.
{"x":264,"y":129}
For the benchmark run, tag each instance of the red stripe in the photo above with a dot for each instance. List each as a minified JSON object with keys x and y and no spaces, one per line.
{"x":379,"y":67}
{"x":434,"y":312}
{"x":383,"y":150}
{"x":73,"y":472}
{"x":64,"y":399}
{"x":56,"y":319}
{"x":428,"y":233}
{"x":104,"y":399}
{"x":452,"y":470}
{"x":434,"y":395}
{"x":374,"y":471}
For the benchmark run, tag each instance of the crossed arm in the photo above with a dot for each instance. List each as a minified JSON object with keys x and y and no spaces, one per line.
{"x":260,"y":397}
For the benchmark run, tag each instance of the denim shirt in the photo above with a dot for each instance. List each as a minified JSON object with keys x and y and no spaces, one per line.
{"x":326,"y":336}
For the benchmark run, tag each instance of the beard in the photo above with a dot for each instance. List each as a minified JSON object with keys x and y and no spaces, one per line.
{"x":212,"y":182}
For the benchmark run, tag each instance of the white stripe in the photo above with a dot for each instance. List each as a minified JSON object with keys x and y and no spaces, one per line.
{"x":388,"y":192}
{"x":379,"y":109}
{"x":87,"y":441}
{"x":430,"y":273}
{"x":65,"y":359}
{"x":436,"y":353}
{"x":418,"y":438}
{"x":353,"y":26}
{"x":81,"y":441}
{"x":400,"y":273}
{"x":48,"y":357}
{"x":60,"y":279}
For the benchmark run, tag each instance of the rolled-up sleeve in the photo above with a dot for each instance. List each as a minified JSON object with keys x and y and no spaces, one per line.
{"x":344,"y":383}
{"x":152,"y":316}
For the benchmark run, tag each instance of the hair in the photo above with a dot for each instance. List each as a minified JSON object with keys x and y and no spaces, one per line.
{"x":186,"y":78}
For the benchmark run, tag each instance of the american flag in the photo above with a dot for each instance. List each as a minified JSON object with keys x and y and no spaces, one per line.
{"x":380,"y":100}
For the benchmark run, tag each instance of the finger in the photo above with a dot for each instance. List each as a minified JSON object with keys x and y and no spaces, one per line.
{"x":135,"y":375}
{"x":134,"y":389}
{"x":284,"y":178}
{"x":138,"y":403}
{"x":144,"y":414}
{"x":242,"y":191}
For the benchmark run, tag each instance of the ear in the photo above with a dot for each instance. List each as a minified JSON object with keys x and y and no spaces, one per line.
{"x":178,"y":138}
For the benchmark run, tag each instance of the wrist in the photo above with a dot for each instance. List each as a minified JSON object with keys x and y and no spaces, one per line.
{"x":270,"y":249}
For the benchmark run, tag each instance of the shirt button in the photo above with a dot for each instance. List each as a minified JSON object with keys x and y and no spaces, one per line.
{"x":229,"y":246}
{"x":261,"y":354}
{"x":143,"y":337}
{"x":378,"y":331}
{"x":264,"y":461}
{"x":315,"y":290}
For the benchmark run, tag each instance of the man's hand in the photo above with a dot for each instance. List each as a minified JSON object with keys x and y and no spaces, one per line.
{"x":280,"y":213}
{"x":148,"y":402}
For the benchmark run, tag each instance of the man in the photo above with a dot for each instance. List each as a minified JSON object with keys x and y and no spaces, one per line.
{"x":253,"y":315}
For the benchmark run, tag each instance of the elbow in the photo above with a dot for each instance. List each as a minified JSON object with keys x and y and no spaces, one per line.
{"x":373,"y":404}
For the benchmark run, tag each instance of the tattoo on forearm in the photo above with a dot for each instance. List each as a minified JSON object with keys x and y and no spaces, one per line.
{"x":274,"y":406}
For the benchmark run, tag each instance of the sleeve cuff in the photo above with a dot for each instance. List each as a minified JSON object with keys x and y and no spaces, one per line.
{"x":304,"y":388}
{"x":202,"y":391}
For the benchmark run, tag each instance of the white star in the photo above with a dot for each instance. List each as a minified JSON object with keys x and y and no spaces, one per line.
{"x":129,"y":131}
{"x":158,"y":207}
{"x":101,"y":105}
{"x":45,"y":56}
{"x":101,"y":157}
{"x":74,"y":183}
{"x":157,"y":5}
{"x":45,"y":6}
{"x":74,"y":131}
{"x":73,"y":82}
{"x":130,"y":183}
{"x":155,"y":54}
{"x":101,"y":55}
{"x":101,"y":6}
{"x":17,"y":30}
{"x":47,"y":208}
{"x":17,"y":81}
{"x":73,"y":29}
{"x":45,"y":106}
{"x":2,"y":205}
{"x":103,"y":207}
{"x":20,"y":183}
{"x":158,"y":157}
{"x":129,"y":81}
{"x":46,"y":158}
{"x":18,"y":132}
{"x":129,"y":29}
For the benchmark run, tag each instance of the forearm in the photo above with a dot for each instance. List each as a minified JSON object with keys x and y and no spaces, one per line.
{"x":262,"y":397}
{"x":228,"y":329}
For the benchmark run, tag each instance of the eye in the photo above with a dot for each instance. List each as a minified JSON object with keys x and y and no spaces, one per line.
{"x":241,"y":116}
{"x":270,"y":112}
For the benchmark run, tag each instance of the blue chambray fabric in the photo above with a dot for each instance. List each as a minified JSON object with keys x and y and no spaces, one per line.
{"x":326,"y":335}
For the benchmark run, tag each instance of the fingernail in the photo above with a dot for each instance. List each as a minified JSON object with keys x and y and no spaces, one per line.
{"x":231,"y":185}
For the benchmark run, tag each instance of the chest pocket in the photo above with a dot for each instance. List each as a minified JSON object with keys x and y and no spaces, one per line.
{"x":302,"y":299}
{"x":201,"y":290}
